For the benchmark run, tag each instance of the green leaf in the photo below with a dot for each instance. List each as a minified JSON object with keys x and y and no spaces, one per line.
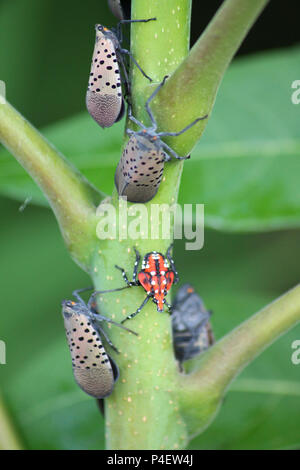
{"x":92,"y":150}
{"x":245,"y":168}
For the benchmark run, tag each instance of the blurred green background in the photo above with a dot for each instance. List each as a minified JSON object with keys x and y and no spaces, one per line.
{"x":246,"y":172}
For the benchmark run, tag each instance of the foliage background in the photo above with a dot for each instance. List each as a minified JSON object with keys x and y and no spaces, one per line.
{"x":245,"y":170}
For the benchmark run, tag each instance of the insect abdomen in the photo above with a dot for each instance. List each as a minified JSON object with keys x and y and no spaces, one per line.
{"x":96,"y":382}
{"x":104,"y":109}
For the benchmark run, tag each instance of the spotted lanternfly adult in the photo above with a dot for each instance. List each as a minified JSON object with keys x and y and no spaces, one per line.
{"x":140,"y":169}
{"x":157,"y":276}
{"x":192,"y":332}
{"x":104,"y":98}
{"x":94,"y":371}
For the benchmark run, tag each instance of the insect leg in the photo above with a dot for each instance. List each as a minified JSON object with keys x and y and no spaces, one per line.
{"x":76,"y":293}
{"x":91,"y":299}
{"x":107,"y":339}
{"x":121,"y":22}
{"x":137,"y":21}
{"x":170,"y":308}
{"x":125,"y":51}
{"x":129,"y":132}
{"x":172,"y":152}
{"x":172,"y":264}
{"x":100,"y":317}
{"x":174,"y":134}
{"x":133,"y":119}
{"x":129,"y":284}
{"x":136,"y":264}
{"x":147,"y":105}
{"x":104,"y":292}
{"x":138,"y":310}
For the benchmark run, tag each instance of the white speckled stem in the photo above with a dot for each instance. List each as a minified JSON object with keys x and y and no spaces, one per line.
{"x":143,"y":411}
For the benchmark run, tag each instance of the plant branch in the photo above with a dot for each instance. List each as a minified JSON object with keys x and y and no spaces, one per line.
{"x":203,"y":390}
{"x":71,"y":197}
{"x":149,"y":404}
{"x":143,"y":411}
{"x":190,"y":92}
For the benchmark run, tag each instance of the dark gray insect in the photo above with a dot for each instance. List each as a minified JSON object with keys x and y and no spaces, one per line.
{"x":120,"y":8}
{"x":192,"y":332}
{"x":94,"y":371}
{"x":104,"y":98}
{"x":139,"y":172}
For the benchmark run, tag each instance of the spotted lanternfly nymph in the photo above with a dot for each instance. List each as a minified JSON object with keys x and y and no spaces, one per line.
{"x":140,"y":169}
{"x":192,"y":332}
{"x":94,"y":371}
{"x":104,"y":98}
{"x":157,"y":276}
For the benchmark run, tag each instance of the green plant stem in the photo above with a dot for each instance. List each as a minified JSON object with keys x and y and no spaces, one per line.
{"x":71,"y":197}
{"x":8,"y":436}
{"x":190,"y":92}
{"x":143,"y":411}
{"x":203,"y":390}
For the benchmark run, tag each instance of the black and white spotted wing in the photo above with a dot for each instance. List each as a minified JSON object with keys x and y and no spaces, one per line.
{"x":140,"y":169}
{"x":92,"y":367}
{"x":104,"y":99}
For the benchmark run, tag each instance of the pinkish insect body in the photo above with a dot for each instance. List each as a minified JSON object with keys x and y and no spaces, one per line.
{"x":104,"y":99}
{"x":94,"y":371}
